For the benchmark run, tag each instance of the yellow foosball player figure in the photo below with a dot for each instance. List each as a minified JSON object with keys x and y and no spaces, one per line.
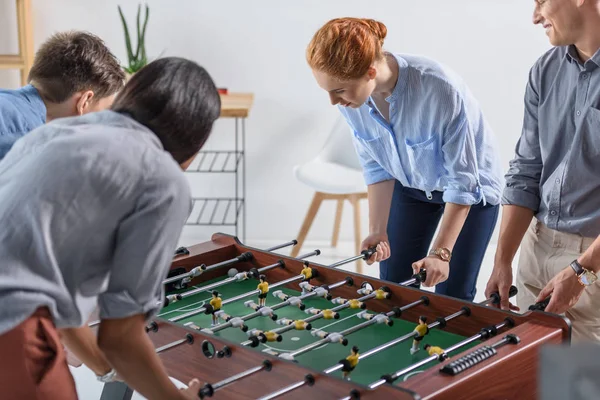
{"x":349,"y":363}
{"x":422,"y":329}
{"x":215,"y":303}
{"x":263,"y":286}
{"x":308,"y":273}
{"x":431,"y":350}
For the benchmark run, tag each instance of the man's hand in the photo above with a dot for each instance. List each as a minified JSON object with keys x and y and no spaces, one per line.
{"x":500,"y":281}
{"x":383,"y":247}
{"x":437,"y":270}
{"x":192,"y":390}
{"x":565,"y":290}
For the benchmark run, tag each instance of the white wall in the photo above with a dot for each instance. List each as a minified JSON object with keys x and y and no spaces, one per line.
{"x":258,"y":46}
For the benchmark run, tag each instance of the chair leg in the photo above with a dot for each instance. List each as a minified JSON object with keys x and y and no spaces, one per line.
{"x":355,"y":200}
{"x":337,"y":223}
{"x":308,"y":220}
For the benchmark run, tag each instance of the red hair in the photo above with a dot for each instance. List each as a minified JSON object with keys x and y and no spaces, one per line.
{"x":345,"y":48}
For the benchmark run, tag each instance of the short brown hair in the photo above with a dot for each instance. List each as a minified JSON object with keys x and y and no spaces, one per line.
{"x":345,"y":48}
{"x":69,"y":62}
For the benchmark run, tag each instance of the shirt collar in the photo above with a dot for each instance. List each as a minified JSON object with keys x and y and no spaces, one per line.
{"x":573,"y":56}
{"x":124,"y":120}
{"x":400,"y":83}
{"x":402,"y":77}
{"x":35,"y":99}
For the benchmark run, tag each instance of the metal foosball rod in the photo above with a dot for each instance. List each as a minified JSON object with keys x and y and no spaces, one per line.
{"x":275,"y":307}
{"x":341,"y":336}
{"x":197,"y":271}
{"x":380,"y":293}
{"x":484,"y":334}
{"x":494,"y":298}
{"x":189,"y":339}
{"x":209,"y":390}
{"x":247,"y":256}
{"x":238,"y":277}
{"x":365,"y":254}
{"x":281,"y":246}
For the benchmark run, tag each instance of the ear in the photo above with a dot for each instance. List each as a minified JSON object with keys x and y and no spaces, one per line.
{"x":371,"y":73}
{"x":85,"y":102}
{"x":187,"y":163}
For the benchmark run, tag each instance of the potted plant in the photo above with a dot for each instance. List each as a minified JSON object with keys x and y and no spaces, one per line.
{"x":138,"y":59}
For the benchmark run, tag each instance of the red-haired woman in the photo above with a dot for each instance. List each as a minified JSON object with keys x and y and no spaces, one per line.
{"x":426,"y":151}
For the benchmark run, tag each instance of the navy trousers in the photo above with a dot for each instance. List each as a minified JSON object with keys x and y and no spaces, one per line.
{"x":413,"y":221}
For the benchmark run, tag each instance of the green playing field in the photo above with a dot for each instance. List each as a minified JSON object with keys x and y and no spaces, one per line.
{"x":367,"y":370}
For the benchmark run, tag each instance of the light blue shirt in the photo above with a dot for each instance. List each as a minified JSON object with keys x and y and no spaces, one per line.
{"x":21,"y":111}
{"x":437,"y":138}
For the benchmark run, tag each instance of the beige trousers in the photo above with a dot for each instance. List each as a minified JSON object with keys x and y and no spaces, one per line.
{"x":544,"y":253}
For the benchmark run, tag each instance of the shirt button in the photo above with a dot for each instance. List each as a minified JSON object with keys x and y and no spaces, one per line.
{"x":584,"y":76}
{"x":557,"y":180}
{"x":553,"y":212}
{"x":578,"y":113}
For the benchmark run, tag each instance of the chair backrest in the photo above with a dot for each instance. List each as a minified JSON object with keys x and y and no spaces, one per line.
{"x":338,"y":147}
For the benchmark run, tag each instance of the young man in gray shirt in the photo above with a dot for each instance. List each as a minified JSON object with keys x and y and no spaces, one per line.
{"x":92,"y":208}
{"x":555,"y":175}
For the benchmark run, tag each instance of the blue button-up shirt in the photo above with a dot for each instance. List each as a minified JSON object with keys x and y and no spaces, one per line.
{"x":21,"y":111}
{"x":437,"y":138}
{"x":556,"y":169}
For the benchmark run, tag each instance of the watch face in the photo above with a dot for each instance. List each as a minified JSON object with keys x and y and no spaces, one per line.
{"x":588,"y":278}
{"x":445,"y":254}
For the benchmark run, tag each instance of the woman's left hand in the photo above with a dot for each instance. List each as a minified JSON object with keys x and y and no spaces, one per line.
{"x":437,"y":270}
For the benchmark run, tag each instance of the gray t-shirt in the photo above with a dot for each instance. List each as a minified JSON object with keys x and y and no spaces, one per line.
{"x":91,"y":209}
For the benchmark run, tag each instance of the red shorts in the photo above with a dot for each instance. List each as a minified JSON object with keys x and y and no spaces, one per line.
{"x":33,"y":364}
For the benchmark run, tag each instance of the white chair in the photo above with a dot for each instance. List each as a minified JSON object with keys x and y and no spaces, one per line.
{"x":335,"y":174}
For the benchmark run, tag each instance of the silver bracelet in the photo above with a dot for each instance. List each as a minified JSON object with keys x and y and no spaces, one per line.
{"x":109,"y":377}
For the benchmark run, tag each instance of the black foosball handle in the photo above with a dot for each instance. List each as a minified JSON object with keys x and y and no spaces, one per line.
{"x":421,"y":276}
{"x":540,"y":305}
{"x":182,"y":251}
{"x":512,"y":292}
{"x":369,"y":252}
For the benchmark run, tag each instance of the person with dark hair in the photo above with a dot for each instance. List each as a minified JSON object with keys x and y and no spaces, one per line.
{"x":92,"y":208}
{"x":73,"y":73}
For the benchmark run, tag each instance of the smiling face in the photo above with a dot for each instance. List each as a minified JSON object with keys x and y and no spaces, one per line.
{"x":560,"y":18}
{"x":352,"y":93}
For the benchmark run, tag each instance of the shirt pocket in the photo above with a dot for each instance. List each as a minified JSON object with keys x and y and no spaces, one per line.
{"x":382,"y":150}
{"x":591,"y":136}
{"x":425,"y":163}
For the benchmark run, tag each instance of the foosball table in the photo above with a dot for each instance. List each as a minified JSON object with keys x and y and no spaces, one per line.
{"x":253,"y":324}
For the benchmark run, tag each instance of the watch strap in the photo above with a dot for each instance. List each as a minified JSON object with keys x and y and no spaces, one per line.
{"x":109,"y":377}
{"x":577,"y":268}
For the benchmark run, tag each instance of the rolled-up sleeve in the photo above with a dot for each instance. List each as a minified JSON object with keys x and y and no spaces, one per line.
{"x":145,"y":243}
{"x":460,"y":156}
{"x":525,"y":169}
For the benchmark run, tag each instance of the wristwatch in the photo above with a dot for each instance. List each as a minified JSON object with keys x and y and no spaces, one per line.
{"x":442,"y":252}
{"x":109,"y":377}
{"x":585,"y":276}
